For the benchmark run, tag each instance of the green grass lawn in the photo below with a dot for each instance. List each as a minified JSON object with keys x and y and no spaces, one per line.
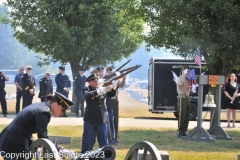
{"x":163,"y":139}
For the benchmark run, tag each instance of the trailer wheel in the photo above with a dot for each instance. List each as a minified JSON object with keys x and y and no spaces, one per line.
{"x":193,"y":112}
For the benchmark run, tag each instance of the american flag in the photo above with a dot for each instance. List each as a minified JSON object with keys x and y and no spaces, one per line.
{"x":191,"y":77}
{"x":198,"y":58}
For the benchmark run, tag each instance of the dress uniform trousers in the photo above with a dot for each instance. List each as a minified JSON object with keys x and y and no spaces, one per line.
{"x":116,"y":116}
{"x":90,"y":131}
{"x":184,"y":111}
{"x":3,"y":101}
{"x":80,"y":100}
{"x":27,"y":100}
{"x":18,"y":99}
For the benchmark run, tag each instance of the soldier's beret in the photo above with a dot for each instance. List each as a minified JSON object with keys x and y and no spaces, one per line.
{"x":99,"y":68}
{"x":62,"y":100}
{"x":109,"y":69}
{"x":92,"y":77}
{"x":62,"y":67}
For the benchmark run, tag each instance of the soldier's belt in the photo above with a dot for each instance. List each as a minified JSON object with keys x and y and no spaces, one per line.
{"x":188,"y":97}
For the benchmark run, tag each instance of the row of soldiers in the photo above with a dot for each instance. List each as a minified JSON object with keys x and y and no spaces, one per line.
{"x":26,"y":82}
{"x":26,"y":85}
{"x":35,"y":117}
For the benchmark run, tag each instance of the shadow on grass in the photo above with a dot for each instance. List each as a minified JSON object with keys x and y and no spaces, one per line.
{"x":166,"y":139}
{"x":162,"y":138}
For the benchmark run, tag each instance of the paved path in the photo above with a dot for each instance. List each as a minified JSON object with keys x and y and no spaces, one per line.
{"x":125,"y":122}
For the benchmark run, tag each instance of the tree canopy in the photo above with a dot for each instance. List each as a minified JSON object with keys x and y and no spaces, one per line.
{"x":82,"y":32}
{"x":183,"y":26}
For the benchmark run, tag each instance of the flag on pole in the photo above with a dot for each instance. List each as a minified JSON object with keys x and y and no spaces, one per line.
{"x":198,"y":58}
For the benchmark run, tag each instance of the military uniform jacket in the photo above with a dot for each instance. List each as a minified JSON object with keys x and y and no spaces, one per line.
{"x":28,"y":82}
{"x":95,"y":107}
{"x":46,"y":87}
{"x":183,"y":88}
{"x":2,"y":82}
{"x":80,"y":84}
{"x":62,"y":82}
{"x":32,"y":119}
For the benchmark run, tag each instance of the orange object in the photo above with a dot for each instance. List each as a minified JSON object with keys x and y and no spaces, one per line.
{"x":212,"y":79}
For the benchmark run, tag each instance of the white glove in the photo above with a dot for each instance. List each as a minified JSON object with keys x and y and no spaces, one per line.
{"x":114,"y":84}
{"x":117,"y":73}
{"x":185,"y":71}
{"x":101,"y":90}
{"x":101,"y":81}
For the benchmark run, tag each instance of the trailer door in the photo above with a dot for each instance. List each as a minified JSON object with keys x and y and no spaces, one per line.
{"x":165,"y":94}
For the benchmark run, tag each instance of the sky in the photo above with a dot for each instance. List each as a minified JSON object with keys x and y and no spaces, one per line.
{"x":1,"y":1}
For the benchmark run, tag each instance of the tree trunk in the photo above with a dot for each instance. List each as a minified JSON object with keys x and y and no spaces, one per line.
{"x":74,"y":68}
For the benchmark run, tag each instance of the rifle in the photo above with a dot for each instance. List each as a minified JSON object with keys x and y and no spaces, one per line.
{"x":122,"y":74}
{"x":118,"y":70}
{"x":123,"y":65}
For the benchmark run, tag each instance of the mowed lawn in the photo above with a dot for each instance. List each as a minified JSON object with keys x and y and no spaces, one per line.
{"x":164,"y":139}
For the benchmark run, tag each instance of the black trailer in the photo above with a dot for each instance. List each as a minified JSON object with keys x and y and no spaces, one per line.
{"x":162,"y":92}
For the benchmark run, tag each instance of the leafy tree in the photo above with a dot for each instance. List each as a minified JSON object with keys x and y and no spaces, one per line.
{"x":183,"y":26}
{"x":81,"y":32}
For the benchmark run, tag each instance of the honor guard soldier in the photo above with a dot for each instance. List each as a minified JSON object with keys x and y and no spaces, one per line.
{"x":17,"y":136}
{"x":29,"y":85}
{"x":80,"y":81}
{"x":109,"y":104}
{"x":183,"y":90}
{"x":96,"y":114}
{"x":120,"y":84}
{"x":3,"y":78}
{"x":63,"y":83}
{"x":100,"y":70}
{"x":46,"y":87}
